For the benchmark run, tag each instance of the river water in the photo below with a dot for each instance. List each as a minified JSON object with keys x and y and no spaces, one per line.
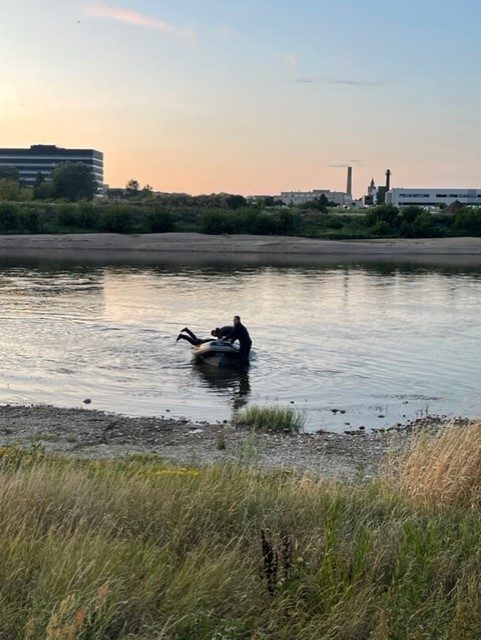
{"x":382,"y":343}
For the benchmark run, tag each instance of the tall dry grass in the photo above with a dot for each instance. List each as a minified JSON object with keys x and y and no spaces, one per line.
{"x":94,"y":550}
{"x":444,"y":469}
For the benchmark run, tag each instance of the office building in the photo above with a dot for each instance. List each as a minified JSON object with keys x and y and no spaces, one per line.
{"x":44,"y":158}
{"x":433,"y":197}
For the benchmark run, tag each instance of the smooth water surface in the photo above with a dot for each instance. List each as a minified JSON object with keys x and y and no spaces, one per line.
{"x":382,"y":343}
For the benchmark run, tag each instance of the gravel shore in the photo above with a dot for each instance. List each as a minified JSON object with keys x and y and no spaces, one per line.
{"x":94,"y":434}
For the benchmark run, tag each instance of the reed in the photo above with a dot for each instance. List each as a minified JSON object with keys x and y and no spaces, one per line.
{"x":271,"y":419}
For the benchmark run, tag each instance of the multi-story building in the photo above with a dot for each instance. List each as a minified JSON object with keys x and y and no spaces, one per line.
{"x":295,"y":198}
{"x":43,"y":159}
{"x":433,"y":197}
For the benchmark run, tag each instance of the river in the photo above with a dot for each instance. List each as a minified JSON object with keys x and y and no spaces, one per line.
{"x":350,"y":345}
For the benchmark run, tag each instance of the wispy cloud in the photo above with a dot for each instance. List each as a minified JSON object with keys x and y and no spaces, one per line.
{"x":291,"y":59}
{"x":103,"y":11}
{"x":225,"y":32}
{"x":341,"y":81}
{"x":344,"y":165}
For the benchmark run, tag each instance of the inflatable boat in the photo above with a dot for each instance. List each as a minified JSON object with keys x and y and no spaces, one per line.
{"x":217,"y":353}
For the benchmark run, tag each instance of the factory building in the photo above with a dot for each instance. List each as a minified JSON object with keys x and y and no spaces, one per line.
{"x":338,"y":198}
{"x":44,"y":158}
{"x":297,"y":198}
{"x":433,"y":197}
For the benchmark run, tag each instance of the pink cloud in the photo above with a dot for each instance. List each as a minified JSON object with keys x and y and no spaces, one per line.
{"x":117,"y":14}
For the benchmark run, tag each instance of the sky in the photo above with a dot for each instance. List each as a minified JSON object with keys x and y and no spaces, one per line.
{"x":249,"y":96}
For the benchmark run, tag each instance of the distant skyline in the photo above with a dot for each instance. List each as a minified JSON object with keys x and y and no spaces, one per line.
{"x":251,"y":97}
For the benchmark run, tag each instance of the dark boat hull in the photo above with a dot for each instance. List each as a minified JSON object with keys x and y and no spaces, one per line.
{"x":217,"y":353}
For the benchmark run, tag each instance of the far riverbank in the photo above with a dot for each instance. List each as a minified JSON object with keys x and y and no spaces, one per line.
{"x":195,"y":246}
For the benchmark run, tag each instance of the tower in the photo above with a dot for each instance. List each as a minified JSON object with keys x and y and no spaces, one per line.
{"x":388,"y":180}
{"x":349,"y":181}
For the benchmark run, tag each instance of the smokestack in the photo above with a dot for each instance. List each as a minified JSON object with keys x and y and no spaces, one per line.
{"x":349,"y":181}
{"x":388,"y":180}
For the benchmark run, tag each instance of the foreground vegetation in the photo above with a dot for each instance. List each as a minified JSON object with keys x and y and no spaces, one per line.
{"x":135,"y":549}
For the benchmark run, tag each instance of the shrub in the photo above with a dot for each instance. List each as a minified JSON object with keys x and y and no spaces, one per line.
{"x":29,"y":220}
{"x":242,"y":221}
{"x":68,"y":215}
{"x":87,"y":215}
{"x":264,"y":225}
{"x":409,"y":214}
{"x":8,"y":218}
{"x":381,"y":229}
{"x":214,"y":222}
{"x":117,"y":219}
{"x":287,"y":222}
{"x":160,"y":220}
{"x":469,"y":221}
{"x":385,"y":213}
{"x":422,"y":226}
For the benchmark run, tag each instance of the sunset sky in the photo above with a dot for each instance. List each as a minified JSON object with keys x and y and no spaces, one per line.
{"x":249,"y":96}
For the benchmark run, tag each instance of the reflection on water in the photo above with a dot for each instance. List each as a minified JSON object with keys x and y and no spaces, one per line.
{"x":381,"y":342}
{"x":232,"y":382}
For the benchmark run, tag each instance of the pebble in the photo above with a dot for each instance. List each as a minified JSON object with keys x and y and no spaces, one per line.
{"x":87,"y":401}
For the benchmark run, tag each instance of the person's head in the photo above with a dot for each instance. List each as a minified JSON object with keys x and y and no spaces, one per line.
{"x":237,"y":320}
{"x":215,"y":333}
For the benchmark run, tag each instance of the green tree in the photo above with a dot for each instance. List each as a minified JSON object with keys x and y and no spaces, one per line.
{"x":235,"y":202}
{"x":74,"y":181}
{"x":9,"y":173}
{"x":45,"y":191}
{"x":147,"y":191}
{"x":39,"y":181}
{"x":9,"y":189}
{"x":132,"y":188}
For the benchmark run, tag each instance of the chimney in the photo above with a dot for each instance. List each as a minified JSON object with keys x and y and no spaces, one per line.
{"x":349,"y":181}
{"x":388,"y":180}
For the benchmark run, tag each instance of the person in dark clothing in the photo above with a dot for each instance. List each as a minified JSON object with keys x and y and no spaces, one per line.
{"x":217,"y":333}
{"x":240,"y":333}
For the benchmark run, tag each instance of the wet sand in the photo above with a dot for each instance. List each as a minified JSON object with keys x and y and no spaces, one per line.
{"x":95,"y":434}
{"x":194,"y":246}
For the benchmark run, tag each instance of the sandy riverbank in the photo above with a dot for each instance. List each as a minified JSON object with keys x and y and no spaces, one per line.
{"x":94,"y":434}
{"x":197,"y":246}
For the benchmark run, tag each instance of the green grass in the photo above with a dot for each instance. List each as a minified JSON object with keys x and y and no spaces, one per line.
{"x":271,"y":419}
{"x":136,"y":549}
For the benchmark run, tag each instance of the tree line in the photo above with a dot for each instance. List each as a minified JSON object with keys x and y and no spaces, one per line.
{"x":71,"y":181}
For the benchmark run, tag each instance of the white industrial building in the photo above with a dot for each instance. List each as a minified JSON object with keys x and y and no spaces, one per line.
{"x":433,"y":197}
{"x":296,"y":198}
